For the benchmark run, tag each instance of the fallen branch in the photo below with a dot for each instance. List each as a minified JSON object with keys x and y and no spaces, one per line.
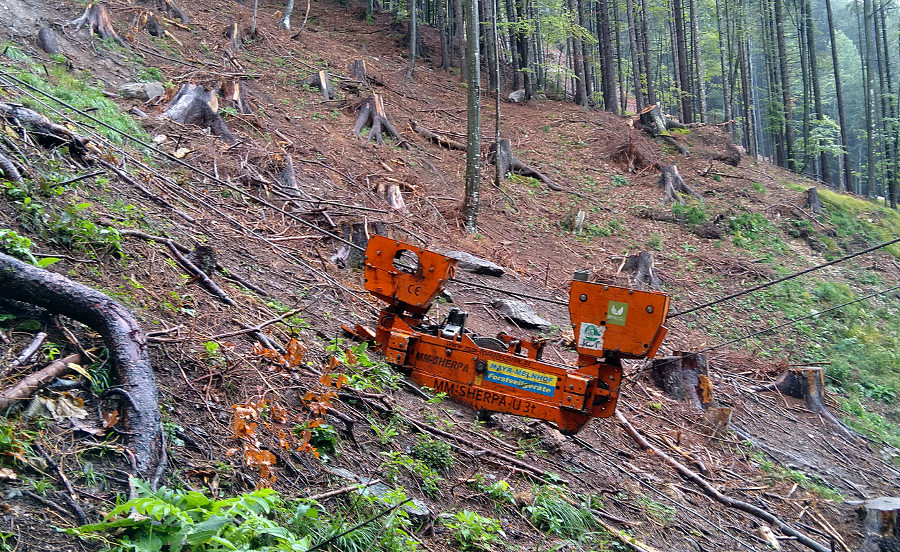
{"x":436,"y":138}
{"x":10,"y":171}
{"x":342,"y":490}
{"x":714,"y":493}
{"x":625,"y":539}
{"x":195,"y":271}
{"x":29,"y":351}
{"x":36,"y":381}
{"x":120,"y":330}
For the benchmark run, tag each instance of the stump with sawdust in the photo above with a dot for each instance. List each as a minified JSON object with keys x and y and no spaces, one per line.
{"x":684,"y":377}
{"x":96,"y":18}
{"x":674,"y":186}
{"x":372,"y":115}
{"x":808,"y":383}
{"x":195,"y":105}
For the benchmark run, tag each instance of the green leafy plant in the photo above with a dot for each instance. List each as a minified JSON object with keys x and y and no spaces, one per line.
{"x":434,"y":453}
{"x":397,"y":463}
{"x":322,"y":436}
{"x":554,"y":512}
{"x":387,"y":432}
{"x":177,"y":520}
{"x":474,"y":532}
{"x":498,"y":491}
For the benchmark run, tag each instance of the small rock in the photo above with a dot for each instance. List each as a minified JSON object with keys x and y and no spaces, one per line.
{"x":418,"y":511}
{"x":517,"y":96}
{"x":520,"y":313}
{"x":475,"y":265}
{"x":160,"y":138}
{"x":141,"y":90}
{"x":445,"y":295}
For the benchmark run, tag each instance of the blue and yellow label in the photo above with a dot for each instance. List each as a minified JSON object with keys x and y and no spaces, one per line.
{"x":521,"y":378}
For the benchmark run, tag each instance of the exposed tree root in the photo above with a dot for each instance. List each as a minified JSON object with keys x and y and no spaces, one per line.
{"x":35,"y":381}
{"x":674,"y":186}
{"x":438,"y":139}
{"x":508,"y":162}
{"x":123,"y":336}
{"x":96,"y":17}
{"x":714,"y":493}
{"x":372,"y":115}
{"x":9,"y":170}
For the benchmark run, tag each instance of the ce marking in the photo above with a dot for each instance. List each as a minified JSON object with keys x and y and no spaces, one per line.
{"x":416,"y":291}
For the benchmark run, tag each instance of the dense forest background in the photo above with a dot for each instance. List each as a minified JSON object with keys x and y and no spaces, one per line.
{"x":807,"y":84}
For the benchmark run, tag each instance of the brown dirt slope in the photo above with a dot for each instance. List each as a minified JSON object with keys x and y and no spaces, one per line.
{"x":207,"y":368}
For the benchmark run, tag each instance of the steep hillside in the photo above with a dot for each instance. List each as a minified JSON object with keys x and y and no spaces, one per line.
{"x":239,"y":415}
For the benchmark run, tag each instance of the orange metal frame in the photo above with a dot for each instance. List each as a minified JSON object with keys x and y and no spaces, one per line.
{"x":610,"y":323}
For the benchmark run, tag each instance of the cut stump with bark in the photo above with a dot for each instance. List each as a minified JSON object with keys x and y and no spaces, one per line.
{"x":358,"y":70}
{"x":508,"y":163}
{"x":96,"y":18}
{"x":674,"y":186}
{"x":372,"y":115}
{"x":813,"y":202}
{"x":645,"y":275}
{"x":684,"y":377}
{"x":235,"y":96}
{"x":652,"y":121}
{"x":195,"y":105}
{"x":319,"y":81}
{"x":169,"y":8}
{"x":808,"y":383}
{"x":880,"y":519}
{"x":122,"y":334}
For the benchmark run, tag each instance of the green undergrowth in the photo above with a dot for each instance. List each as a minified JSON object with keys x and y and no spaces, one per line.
{"x":853,"y":216}
{"x":75,"y":89}
{"x":175,"y":520}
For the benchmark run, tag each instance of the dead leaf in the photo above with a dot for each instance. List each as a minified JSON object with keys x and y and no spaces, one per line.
{"x":7,"y":474}
{"x":110,"y":418}
{"x":182,"y":152}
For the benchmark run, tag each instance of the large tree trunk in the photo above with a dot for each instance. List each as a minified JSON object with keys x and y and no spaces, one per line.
{"x":814,"y":77}
{"x":578,"y":59}
{"x":635,"y":61}
{"x":839,"y":95}
{"x":473,"y":120}
{"x":724,"y":59}
{"x":869,"y":104}
{"x":648,"y":75}
{"x":122,"y":333}
{"x":698,"y":65}
{"x":786,"y":99}
{"x":749,"y":133}
{"x":413,"y":38}
{"x":607,"y":67}
{"x":684,"y":76}
{"x":442,"y":29}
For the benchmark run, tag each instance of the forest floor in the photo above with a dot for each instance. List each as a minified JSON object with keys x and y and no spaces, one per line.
{"x":749,"y":227}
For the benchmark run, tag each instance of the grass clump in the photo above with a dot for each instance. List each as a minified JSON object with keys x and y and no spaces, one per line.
{"x":692,"y":213}
{"x":552,"y":511}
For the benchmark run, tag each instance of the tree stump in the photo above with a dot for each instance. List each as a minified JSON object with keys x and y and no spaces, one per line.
{"x":808,"y":383}
{"x":194,"y":105}
{"x":235,"y":96}
{"x":651,"y":121}
{"x":152,"y":25}
{"x":357,"y":70}
{"x":684,"y":377}
{"x":731,"y":155}
{"x":509,"y":163}
{"x":813,"y":203}
{"x":372,"y":115}
{"x":96,"y":17}
{"x":880,"y":519}
{"x":320,"y":81}
{"x":171,"y":10}
{"x":48,"y":41}
{"x":674,"y":186}
{"x":644,"y":273}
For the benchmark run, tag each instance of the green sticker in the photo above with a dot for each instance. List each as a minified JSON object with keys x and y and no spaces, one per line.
{"x":616,"y":313}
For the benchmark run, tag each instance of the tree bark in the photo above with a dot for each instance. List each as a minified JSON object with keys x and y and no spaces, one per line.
{"x":96,"y":17}
{"x":674,"y":186}
{"x":120,"y":331}
{"x":442,"y":30}
{"x":578,"y":59}
{"x":648,"y":75}
{"x":749,"y":135}
{"x":724,"y":60}
{"x":839,"y":96}
{"x":695,"y":40}
{"x":373,"y":115}
{"x":194,"y":105}
{"x":607,"y":67}
{"x":413,"y":38}
{"x":684,"y":76}
{"x":785,"y":85}
{"x":635,"y":61}
{"x":869,"y":104}
{"x":473,"y":120}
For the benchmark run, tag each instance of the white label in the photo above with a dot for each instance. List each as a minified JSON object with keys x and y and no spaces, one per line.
{"x":591,"y":336}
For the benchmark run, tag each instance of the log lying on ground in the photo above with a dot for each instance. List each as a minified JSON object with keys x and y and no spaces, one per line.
{"x":47,"y":133}
{"x":438,"y":139}
{"x":507,"y":161}
{"x":372,"y":115}
{"x":674,"y":186}
{"x":10,"y":172}
{"x":319,"y":81}
{"x":808,"y":383}
{"x":813,"y":203}
{"x":644,"y":273}
{"x":122,"y":334}
{"x":36,"y":381}
{"x":96,"y":17}
{"x":48,"y":41}
{"x":684,"y":377}
{"x":715,"y":493}
{"x":194,"y":105}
